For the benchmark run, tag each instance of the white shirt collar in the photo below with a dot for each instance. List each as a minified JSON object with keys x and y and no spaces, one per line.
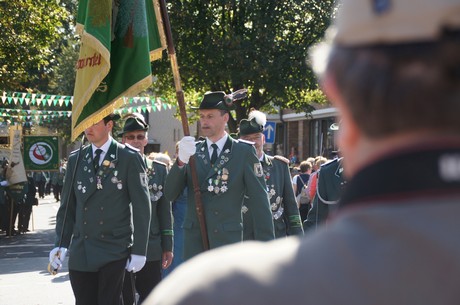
{"x":104,"y":147}
{"x":220,"y":143}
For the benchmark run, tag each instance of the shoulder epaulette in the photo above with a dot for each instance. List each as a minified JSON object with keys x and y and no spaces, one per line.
{"x":159,"y":162}
{"x":281,"y":158}
{"x":331,"y":162}
{"x":245,"y":141}
{"x":77,"y":150}
{"x":74,"y":152}
{"x":131,"y":147}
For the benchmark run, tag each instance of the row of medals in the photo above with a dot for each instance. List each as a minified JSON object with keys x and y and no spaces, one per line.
{"x":276,"y":203}
{"x":272,"y":192}
{"x":222,"y":179}
{"x":114,"y":179}
{"x":155,"y":190}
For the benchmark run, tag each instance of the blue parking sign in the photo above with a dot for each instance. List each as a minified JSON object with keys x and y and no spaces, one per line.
{"x":269,"y":132}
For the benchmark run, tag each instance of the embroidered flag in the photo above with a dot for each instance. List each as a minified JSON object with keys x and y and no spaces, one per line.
{"x":119,"y":39}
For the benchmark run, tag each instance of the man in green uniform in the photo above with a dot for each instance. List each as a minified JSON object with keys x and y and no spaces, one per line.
{"x":329,"y":188}
{"x":227,"y":170}
{"x":286,"y":217}
{"x":104,"y":217}
{"x":159,"y":250}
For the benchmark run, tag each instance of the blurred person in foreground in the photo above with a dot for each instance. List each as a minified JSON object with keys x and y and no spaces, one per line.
{"x":393,"y":72}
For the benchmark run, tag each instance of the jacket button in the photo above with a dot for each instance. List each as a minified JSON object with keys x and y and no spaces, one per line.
{"x":215,"y":231}
{"x":101,"y":222}
{"x":84,"y":222}
{"x":102,"y":235}
{"x":86,"y":209}
{"x":86,"y":236}
{"x":102,"y":208}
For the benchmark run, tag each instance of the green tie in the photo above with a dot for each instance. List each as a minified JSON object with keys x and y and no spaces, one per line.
{"x":214,"y":154}
{"x":96,"y":159}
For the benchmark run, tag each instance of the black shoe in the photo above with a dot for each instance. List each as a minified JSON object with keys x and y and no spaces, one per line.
{"x":13,"y":233}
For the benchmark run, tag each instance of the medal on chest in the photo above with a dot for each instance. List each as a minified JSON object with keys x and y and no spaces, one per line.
{"x":81,"y":187}
{"x":156,"y":191}
{"x":219,"y":183}
{"x":116,"y":181}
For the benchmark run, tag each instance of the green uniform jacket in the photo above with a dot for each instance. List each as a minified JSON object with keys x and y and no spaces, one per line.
{"x":99,"y":222}
{"x":329,"y":188}
{"x":286,"y":217}
{"x":237,"y":173}
{"x":161,"y":232}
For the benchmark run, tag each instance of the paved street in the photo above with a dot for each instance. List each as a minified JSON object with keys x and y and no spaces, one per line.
{"x":24,"y":279}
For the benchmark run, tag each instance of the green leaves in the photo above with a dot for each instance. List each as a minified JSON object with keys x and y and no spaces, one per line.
{"x":31,"y":32}
{"x":261,"y":45}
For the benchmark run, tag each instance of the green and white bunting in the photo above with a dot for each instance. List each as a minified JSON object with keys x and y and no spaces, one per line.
{"x":9,"y":99}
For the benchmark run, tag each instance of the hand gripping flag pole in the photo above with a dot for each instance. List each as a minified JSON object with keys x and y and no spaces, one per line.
{"x":185,"y":127}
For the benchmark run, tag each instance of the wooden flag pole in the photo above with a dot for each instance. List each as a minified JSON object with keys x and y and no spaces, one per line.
{"x":185,"y":127}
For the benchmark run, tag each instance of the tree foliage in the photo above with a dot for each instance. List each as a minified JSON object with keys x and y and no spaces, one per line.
{"x":32,"y":33}
{"x":35,"y":38}
{"x":261,"y":45}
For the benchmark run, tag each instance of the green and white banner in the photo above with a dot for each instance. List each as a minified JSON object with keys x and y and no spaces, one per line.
{"x":41,"y":152}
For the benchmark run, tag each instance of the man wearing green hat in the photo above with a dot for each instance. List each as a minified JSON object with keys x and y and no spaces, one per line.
{"x":104,"y":216}
{"x":228,"y":171}
{"x":159,"y":248}
{"x":284,"y":208}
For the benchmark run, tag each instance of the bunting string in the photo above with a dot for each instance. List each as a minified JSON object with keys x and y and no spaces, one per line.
{"x":131,"y":104}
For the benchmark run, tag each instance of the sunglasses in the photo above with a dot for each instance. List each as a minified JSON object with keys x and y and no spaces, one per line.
{"x":131,"y":137}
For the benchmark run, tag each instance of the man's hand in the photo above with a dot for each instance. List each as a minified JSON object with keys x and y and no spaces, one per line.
{"x":135,"y":263}
{"x":187,"y":149}
{"x":167,"y":259}
{"x":57,"y":257}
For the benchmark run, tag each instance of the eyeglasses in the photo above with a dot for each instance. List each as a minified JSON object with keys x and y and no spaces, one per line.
{"x":131,"y":137}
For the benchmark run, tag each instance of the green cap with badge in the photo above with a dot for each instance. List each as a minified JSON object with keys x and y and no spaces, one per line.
{"x":216,"y":100}
{"x":134,"y":122}
{"x":255,"y":123}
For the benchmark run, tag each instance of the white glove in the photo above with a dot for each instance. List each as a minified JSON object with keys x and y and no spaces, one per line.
{"x":187,"y":148}
{"x":135,"y":263}
{"x":4,"y":183}
{"x":57,"y":257}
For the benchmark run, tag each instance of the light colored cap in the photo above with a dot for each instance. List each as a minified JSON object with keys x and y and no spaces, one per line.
{"x":371,"y":22}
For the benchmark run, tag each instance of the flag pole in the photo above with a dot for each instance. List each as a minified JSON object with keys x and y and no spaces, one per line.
{"x":185,"y":127}
{"x":51,"y":270}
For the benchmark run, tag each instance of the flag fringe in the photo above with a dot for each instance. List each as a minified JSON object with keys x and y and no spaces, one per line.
{"x":111,"y":107}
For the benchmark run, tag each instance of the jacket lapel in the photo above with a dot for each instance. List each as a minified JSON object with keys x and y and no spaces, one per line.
{"x":85,"y":178}
{"x":202,"y":157}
